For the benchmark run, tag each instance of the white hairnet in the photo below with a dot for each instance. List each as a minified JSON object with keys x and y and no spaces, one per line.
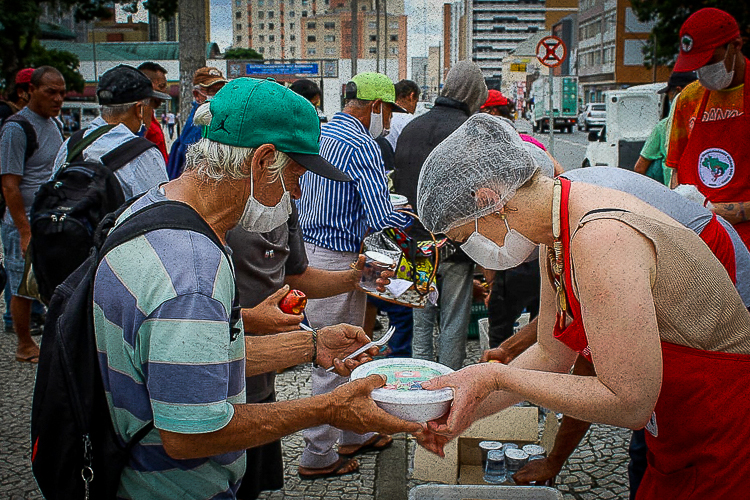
{"x":472,"y":173}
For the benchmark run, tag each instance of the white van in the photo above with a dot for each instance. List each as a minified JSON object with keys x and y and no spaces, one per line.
{"x":77,"y":115}
{"x":631,"y":116}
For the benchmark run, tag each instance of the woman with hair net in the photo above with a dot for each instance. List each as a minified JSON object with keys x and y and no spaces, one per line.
{"x":623,"y":285}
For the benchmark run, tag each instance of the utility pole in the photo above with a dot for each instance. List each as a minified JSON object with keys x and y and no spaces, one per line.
{"x":377,"y":37}
{"x":192,"y":30}
{"x":355,"y":38}
{"x":385,"y":12}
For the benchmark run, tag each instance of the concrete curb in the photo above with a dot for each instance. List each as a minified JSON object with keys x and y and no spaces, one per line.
{"x":390,"y":471}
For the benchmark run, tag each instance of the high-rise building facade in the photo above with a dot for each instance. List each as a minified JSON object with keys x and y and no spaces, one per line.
{"x":454,"y":34}
{"x":322,"y":29}
{"x":498,"y":26}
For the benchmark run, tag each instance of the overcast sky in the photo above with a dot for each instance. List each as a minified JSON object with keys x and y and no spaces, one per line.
{"x":424,"y":24}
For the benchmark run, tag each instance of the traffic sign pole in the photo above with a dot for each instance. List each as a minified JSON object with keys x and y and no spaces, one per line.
{"x":551,"y":52}
{"x":551,"y":118}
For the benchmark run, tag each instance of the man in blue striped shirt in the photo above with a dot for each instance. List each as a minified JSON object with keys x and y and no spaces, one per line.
{"x":334,"y":217}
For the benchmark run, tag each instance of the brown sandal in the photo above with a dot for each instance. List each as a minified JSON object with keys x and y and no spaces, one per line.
{"x":343,"y":466}
{"x":378,"y":442}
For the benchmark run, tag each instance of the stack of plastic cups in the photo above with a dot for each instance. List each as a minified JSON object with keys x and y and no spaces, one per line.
{"x":515,"y":459}
{"x":494,"y":471}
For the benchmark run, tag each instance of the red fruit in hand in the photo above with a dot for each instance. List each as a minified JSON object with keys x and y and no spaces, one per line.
{"x":293,"y":302}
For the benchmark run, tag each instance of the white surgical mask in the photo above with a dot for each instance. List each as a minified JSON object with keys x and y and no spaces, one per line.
{"x":258,"y":218}
{"x":715,"y":76}
{"x":488,"y":254}
{"x":376,"y":124}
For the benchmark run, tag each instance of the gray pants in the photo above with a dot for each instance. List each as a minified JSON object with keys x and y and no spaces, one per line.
{"x":344,"y":308}
{"x":453,"y":312}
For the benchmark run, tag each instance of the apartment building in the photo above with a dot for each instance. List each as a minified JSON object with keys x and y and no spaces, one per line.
{"x":498,"y":26}
{"x":610,"y":49}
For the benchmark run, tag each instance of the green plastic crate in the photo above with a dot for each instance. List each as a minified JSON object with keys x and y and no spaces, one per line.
{"x":478,"y":311}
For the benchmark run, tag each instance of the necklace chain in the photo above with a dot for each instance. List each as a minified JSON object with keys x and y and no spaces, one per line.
{"x":555,"y":255}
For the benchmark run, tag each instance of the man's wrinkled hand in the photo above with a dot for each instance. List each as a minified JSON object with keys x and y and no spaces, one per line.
{"x":351,"y":407}
{"x":537,"y":471}
{"x":499,"y":353}
{"x":266,"y":318}
{"x":338,"y":341}
{"x":432,"y":441}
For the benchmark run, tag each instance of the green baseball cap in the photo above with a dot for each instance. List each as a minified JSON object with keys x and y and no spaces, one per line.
{"x":248,"y":112}
{"x":372,"y":86}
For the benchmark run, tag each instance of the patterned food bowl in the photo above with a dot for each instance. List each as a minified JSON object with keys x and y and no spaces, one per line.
{"x":403,"y":396}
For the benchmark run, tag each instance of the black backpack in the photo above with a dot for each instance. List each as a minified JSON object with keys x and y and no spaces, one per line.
{"x":75,"y":451}
{"x":32,"y":144}
{"x":68,"y":208}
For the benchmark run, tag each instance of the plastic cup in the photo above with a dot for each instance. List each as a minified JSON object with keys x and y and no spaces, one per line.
{"x":494,"y":471}
{"x":375,"y":264}
{"x":486,"y":447}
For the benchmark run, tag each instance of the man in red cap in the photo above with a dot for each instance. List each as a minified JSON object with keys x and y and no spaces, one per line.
{"x":18,"y":97}
{"x":710,"y":135}
{"x":497,"y":104}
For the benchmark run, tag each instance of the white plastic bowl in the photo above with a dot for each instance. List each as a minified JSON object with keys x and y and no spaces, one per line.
{"x":403,"y":395}
{"x":399,"y":200}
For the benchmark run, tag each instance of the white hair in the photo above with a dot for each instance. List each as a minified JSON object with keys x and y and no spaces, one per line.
{"x":115,"y":111}
{"x":216,"y":161}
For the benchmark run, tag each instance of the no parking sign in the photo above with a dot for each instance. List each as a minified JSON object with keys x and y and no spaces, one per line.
{"x":551,"y":51}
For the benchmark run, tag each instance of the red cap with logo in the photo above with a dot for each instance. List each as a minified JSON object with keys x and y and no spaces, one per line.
{"x":701,"y":34}
{"x":495,"y":98}
{"x":24,"y":76}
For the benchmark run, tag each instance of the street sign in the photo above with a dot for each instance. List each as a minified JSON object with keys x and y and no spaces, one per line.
{"x":282,"y":69}
{"x":551,"y":51}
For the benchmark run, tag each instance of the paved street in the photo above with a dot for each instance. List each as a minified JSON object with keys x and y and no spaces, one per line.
{"x":569,"y":149}
{"x":597,"y":470}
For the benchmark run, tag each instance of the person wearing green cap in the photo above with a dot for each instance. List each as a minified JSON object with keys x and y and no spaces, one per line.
{"x":334,"y":218}
{"x":164,"y":310}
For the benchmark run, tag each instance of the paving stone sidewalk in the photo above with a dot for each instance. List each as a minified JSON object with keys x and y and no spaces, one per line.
{"x":596,"y":471}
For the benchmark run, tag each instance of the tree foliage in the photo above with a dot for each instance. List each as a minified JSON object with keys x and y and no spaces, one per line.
{"x":242,"y":54}
{"x":669,"y":16}
{"x":19,"y":33}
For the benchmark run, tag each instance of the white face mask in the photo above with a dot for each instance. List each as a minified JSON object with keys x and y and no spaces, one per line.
{"x":488,"y":254}
{"x":258,"y":218}
{"x":715,"y":76}
{"x":376,"y":123}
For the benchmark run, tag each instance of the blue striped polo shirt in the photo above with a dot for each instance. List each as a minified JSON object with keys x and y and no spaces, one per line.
{"x":162,"y":306}
{"x":336,"y":215}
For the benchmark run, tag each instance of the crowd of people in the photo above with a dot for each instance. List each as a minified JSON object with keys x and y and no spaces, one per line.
{"x":638,"y":294}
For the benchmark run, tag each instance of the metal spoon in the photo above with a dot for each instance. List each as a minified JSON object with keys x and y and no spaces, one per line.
{"x":376,"y":343}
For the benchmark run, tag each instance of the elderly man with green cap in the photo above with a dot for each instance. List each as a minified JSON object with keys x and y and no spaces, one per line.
{"x":170,"y":354}
{"x":334,"y":218}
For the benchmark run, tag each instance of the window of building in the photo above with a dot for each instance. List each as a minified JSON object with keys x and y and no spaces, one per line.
{"x":261,"y":14}
{"x":239,"y":39}
{"x":394,"y":51}
{"x":372,"y":25}
{"x":262,"y":50}
{"x":261,"y":3}
{"x":364,"y":8}
{"x":304,"y":13}
{"x":373,"y":38}
{"x":270,"y":14}
{"x":291,"y":14}
{"x":238,"y":15}
{"x":292,"y":50}
{"x":291,"y":2}
{"x":329,"y":38}
{"x":393,"y":38}
{"x":261,"y":38}
{"x":261,"y":26}
{"x":238,"y":26}
{"x":311,"y":51}
{"x":373,"y":50}
{"x":271,"y":38}
{"x":304,"y":3}
{"x":330,"y":25}
{"x":270,"y":26}
{"x":291,"y":26}
{"x":292,"y":37}
{"x":311,"y":26}
{"x":270,"y":3}
{"x":311,"y":38}
{"x":330,"y":51}
{"x":238,"y":3}
{"x":271,"y":51}
{"x":394,"y":25}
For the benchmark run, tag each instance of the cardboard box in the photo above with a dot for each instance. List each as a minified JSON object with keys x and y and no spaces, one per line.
{"x":463,"y":460}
